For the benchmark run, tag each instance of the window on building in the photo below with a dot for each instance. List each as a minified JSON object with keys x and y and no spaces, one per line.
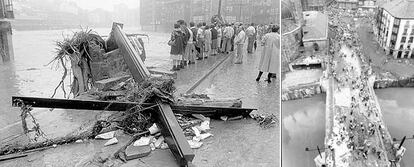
{"x":229,"y":8}
{"x":395,"y":30}
{"x":392,"y":44}
{"x":405,"y":31}
{"x":411,"y":40}
{"x":403,"y":39}
{"x":401,"y":47}
{"x":393,"y":37}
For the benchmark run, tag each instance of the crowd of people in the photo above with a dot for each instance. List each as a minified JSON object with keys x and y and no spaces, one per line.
{"x":198,"y":42}
{"x":360,"y":126}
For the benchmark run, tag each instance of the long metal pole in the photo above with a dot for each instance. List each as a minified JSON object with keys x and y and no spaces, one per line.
{"x":319,"y":151}
{"x":219,"y":8}
{"x":402,"y":142}
{"x":240,"y":20}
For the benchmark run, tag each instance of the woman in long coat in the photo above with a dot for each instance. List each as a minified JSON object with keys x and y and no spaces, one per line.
{"x":269,"y":61}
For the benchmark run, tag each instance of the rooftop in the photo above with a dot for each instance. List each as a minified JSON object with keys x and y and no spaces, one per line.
{"x":316,"y":26}
{"x":400,"y":8}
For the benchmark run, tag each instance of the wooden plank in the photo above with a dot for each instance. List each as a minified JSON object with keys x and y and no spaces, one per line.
{"x":233,"y":102}
{"x":73,"y":104}
{"x":9,"y":157}
{"x":214,"y":112}
{"x":163,"y":72}
{"x":170,"y":128}
{"x":135,"y":65}
{"x":173,"y":135}
{"x":77,"y":104}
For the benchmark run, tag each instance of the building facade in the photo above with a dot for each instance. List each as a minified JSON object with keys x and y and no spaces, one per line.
{"x":313,"y":5}
{"x":348,"y":4}
{"x":367,"y":5}
{"x":162,"y":14}
{"x":395,"y":28}
{"x":291,"y":28}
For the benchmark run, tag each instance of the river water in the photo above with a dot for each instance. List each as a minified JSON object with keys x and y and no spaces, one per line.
{"x":29,"y":75}
{"x":303,"y":125}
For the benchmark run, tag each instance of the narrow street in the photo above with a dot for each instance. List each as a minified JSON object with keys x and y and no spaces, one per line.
{"x":373,"y":51}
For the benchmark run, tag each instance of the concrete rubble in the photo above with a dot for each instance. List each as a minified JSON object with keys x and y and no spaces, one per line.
{"x":143,"y":141}
{"x":111,"y":142}
{"x":105,"y":136}
{"x":134,"y":152}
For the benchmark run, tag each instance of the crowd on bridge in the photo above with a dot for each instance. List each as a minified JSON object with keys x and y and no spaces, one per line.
{"x":360,"y":127}
{"x":202,"y":40}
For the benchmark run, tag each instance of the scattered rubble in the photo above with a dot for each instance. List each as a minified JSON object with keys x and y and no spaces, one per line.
{"x":111,"y":141}
{"x":134,"y":152}
{"x":159,"y":142}
{"x":143,"y":141}
{"x":195,"y":144}
{"x":108,"y":135}
{"x":154,"y":129}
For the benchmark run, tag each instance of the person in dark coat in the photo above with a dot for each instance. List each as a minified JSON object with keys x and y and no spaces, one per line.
{"x":177,"y":47}
{"x":214,"y":35}
{"x":184,"y":29}
{"x":194,"y":30}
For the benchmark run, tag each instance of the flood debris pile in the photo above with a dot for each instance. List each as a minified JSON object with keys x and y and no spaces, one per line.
{"x":91,"y":59}
{"x":145,"y":110}
{"x":138,"y":118}
{"x":78,"y":50}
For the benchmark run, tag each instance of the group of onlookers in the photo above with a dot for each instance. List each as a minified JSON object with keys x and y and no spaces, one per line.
{"x":198,"y":42}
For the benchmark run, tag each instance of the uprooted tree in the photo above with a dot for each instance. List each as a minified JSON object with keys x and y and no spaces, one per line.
{"x":91,"y":58}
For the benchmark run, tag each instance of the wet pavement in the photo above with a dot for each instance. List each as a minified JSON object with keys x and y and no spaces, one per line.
{"x":241,"y":143}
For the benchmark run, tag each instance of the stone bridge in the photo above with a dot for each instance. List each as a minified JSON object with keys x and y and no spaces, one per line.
{"x":356,"y":134}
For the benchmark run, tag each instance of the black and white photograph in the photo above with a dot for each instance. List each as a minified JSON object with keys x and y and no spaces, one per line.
{"x":347,"y":73}
{"x":154,"y":83}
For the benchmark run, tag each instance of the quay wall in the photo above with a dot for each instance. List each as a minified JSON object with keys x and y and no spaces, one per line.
{"x":386,"y":80}
{"x":302,"y":91}
{"x":310,"y":90}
